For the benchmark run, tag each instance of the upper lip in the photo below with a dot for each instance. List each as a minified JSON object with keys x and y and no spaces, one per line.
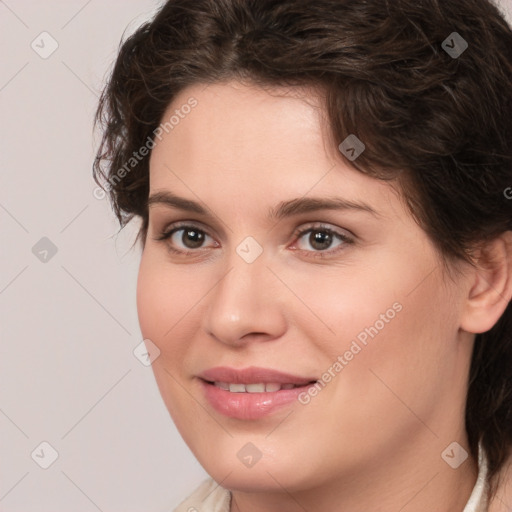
{"x":252,"y":375}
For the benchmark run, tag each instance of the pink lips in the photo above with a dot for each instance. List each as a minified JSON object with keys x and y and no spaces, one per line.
{"x":245,"y":405}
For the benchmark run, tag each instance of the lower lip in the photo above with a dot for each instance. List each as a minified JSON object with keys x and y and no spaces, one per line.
{"x":249,"y":406}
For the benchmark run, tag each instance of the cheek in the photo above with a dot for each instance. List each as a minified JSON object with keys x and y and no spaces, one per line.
{"x":163,"y":300}
{"x":163,"y":297}
{"x":401,"y":360}
{"x":150,"y":306}
{"x":334,"y":306}
{"x":395,"y":337}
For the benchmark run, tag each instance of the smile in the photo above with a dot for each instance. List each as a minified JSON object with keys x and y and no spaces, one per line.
{"x":254,"y":388}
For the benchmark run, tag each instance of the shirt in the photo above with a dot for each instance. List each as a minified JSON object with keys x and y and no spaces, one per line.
{"x":211,"y":497}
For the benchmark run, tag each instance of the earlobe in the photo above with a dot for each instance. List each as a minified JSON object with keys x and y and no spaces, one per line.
{"x":491,"y":287}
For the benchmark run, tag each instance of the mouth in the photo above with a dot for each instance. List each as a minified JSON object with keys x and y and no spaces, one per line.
{"x":251,"y":377}
{"x":259,"y":387}
{"x":251,"y":393}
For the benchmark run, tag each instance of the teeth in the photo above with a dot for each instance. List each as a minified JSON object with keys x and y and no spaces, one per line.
{"x":253,"y":388}
{"x":236,"y":388}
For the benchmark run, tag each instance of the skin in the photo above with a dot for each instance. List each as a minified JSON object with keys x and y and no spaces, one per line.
{"x":372,"y":439}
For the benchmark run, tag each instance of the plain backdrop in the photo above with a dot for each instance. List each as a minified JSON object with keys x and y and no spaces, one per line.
{"x":68,"y":376}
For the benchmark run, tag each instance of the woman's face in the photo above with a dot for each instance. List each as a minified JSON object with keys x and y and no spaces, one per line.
{"x":257,"y":273}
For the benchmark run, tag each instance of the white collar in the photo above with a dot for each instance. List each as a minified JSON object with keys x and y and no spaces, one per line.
{"x":478,"y":499}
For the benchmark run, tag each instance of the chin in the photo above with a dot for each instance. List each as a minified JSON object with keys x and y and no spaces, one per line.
{"x":270,"y":473}
{"x":252,"y":479}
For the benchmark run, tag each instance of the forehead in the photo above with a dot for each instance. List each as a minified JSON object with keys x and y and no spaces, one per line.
{"x":264,"y":144}
{"x":231,"y":121}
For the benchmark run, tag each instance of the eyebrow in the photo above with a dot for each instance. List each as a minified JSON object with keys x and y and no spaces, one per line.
{"x":282,"y":210}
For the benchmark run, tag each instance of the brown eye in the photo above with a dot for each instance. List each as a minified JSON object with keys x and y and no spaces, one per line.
{"x":192,"y":238}
{"x":320,"y":239}
{"x":186,"y":238}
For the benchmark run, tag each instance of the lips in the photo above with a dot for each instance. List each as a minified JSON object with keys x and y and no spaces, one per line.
{"x":253,"y":375}
{"x":251,"y":393}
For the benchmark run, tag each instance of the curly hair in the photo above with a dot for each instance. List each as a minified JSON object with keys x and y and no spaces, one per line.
{"x":437,"y":122}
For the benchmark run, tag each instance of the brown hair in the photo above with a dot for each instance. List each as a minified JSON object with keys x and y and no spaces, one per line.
{"x":439,"y":123}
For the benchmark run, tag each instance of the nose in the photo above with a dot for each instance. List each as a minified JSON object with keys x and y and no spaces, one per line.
{"x":246,"y":304}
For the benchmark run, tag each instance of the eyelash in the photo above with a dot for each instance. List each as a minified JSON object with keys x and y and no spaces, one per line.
{"x":166,"y":235}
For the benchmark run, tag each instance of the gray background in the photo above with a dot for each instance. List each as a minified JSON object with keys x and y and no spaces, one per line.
{"x":68,"y":321}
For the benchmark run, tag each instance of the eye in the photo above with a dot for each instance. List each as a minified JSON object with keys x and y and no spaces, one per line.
{"x":185,"y":238}
{"x":321,"y":239}
{"x":317,"y":240}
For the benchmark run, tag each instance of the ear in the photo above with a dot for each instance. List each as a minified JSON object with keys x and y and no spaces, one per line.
{"x":490,"y":288}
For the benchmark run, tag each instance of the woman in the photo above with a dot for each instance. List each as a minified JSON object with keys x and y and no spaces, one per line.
{"x":326,"y":268}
